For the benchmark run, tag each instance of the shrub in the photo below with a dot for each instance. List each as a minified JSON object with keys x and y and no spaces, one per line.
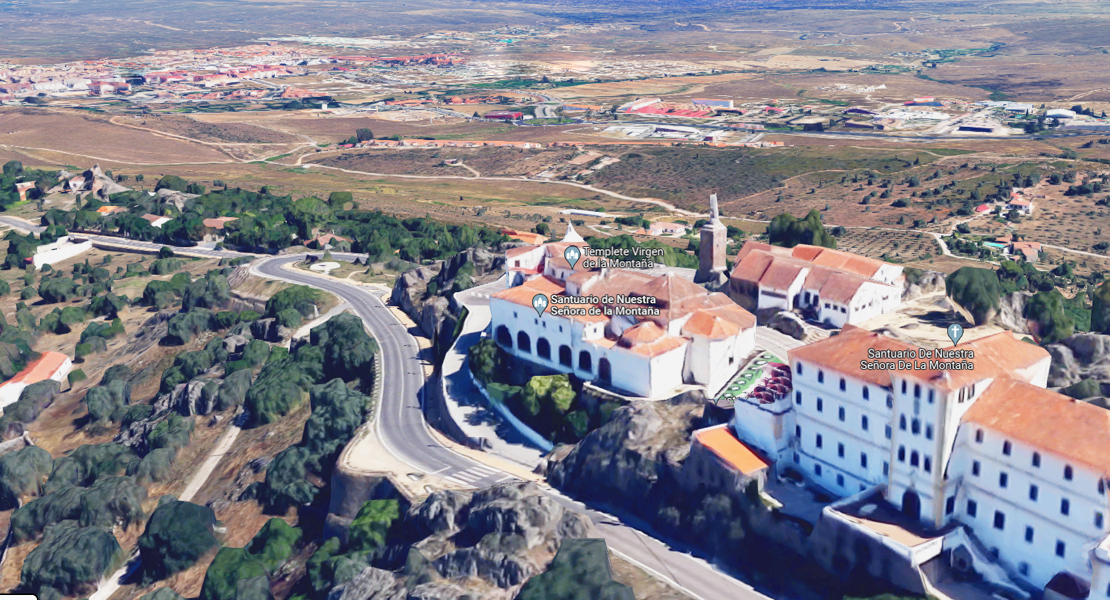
{"x":274,"y":543}
{"x":76,"y":376}
{"x":211,"y":291}
{"x":89,"y":463}
{"x":280,"y":388}
{"x":32,"y":401}
{"x":300,"y":297}
{"x":194,"y":363}
{"x":5,"y":288}
{"x":58,"y":289}
{"x":171,"y":182}
{"x":230,"y":567}
{"x":337,"y":411}
{"x":976,"y":290}
{"x":107,"y":305}
{"x":157,"y":466}
{"x":787,"y":231}
{"x":111,"y":501}
{"x":290,"y":318}
{"x":1047,"y":310}
{"x":172,"y":432}
{"x":27,"y":293}
{"x":373,"y":525}
{"x":108,"y":403}
{"x":70,"y":561}
{"x":165,"y":266}
{"x":165,"y":252}
{"x":22,"y":474}
{"x":177,"y":534}
{"x":348,"y":350}
{"x":102,"y":329}
{"x":285,"y":481}
{"x":256,"y":353}
{"x":183,"y":326}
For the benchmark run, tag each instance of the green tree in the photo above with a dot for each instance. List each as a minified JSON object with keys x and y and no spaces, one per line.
{"x":1100,"y":309}
{"x":373,"y":526}
{"x":176,"y":535}
{"x":1047,"y":310}
{"x":787,"y":231}
{"x":364,"y":134}
{"x":976,"y":290}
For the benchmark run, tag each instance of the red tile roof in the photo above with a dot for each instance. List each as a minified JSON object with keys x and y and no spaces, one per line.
{"x":40,"y":370}
{"x":1052,"y":422}
{"x":704,"y":323}
{"x":723,"y":443}
{"x":996,"y":356}
{"x":649,"y":339}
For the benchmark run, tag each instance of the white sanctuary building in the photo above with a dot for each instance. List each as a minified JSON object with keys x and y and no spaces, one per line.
{"x":658,"y":333}
{"x":1023,"y":468}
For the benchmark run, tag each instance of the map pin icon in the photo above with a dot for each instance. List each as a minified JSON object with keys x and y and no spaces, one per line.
{"x":955,"y":332}
{"x":572,"y":254}
{"x":539,"y":302}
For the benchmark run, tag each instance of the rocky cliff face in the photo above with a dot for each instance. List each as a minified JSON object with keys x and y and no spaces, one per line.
{"x":929,"y":283}
{"x":425,"y":294}
{"x":484,"y":544}
{"x":1081,"y":365}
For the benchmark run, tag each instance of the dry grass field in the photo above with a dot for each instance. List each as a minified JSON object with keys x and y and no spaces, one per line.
{"x":84,"y":138}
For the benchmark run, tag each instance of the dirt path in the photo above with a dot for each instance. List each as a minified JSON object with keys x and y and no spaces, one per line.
{"x":27,"y":150}
{"x":109,"y":587}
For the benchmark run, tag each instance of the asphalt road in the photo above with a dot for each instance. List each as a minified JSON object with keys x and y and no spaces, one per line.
{"x":402,"y":426}
{"x":405,"y":433}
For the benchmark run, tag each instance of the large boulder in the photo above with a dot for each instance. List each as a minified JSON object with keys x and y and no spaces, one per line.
{"x":187,"y":399}
{"x":269,"y":330}
{"x":1079,"y":357}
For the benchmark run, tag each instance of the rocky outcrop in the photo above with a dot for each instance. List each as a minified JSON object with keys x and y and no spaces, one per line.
{"x":929,"y":283}
{"x":1011,"y":312}
{"x":187,"y":399}
{"x":1084,"y":356}
{"x":426,"y":294}
{"x":484,"y":544}
{"x":789,"y":324}
{"x":269,"y":330}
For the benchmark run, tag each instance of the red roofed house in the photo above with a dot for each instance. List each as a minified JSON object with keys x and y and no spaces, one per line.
{"x":1021,"y":205}
{"x":835,"y":287}
{"x":722,"y":463}
{"x":639,"y":333}
{"x":51,"y":365}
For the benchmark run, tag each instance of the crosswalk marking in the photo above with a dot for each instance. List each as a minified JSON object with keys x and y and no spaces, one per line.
{"x":470,"y":477}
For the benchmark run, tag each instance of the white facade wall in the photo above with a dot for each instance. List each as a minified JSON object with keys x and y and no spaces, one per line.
{"x":10,"y":393}
{"x":712,"y":363}
{"x":59,"y":253}
{"x":629,"y":371}
{"x":768,"y":427}
{"x":642,"y":375}
{"x":916,"y":446}
{"x":769,"y":298}
{"x":823,"y":409}
{"x":890,"y":275}
{"x":1084,"y":525}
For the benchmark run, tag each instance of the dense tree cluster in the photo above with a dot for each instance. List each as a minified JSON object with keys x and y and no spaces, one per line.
{"x":785,"y":230}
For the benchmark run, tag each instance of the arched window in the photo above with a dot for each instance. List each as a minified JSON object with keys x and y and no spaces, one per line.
{"x":504,"y":337}
{"x":523,"y":342}
{"x":585,"y":362}
{"x":914,"y":458}
{"x":866,"y":393}
{"x":565,"y":356}
{"x":543,"y":348}
{"x":902,"y":423}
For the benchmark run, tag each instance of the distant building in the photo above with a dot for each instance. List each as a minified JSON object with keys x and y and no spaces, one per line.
{"x":665,"y":228}
{"x":524,"y":236}
{"x":218,"y":223}
{"x":1030,"y":251}
{"x":156,"y":220}
{"x":64,"y":248}
{"x":1060,"y":113}
{"x":504,"y":115}
{"x":1020,"y":204}
{"x":51,"y":365}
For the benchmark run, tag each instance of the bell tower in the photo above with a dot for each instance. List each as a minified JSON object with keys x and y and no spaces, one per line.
{"x":714,"y":236}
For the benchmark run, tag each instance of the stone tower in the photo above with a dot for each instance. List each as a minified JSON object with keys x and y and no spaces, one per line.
{"x":714,"y":236}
